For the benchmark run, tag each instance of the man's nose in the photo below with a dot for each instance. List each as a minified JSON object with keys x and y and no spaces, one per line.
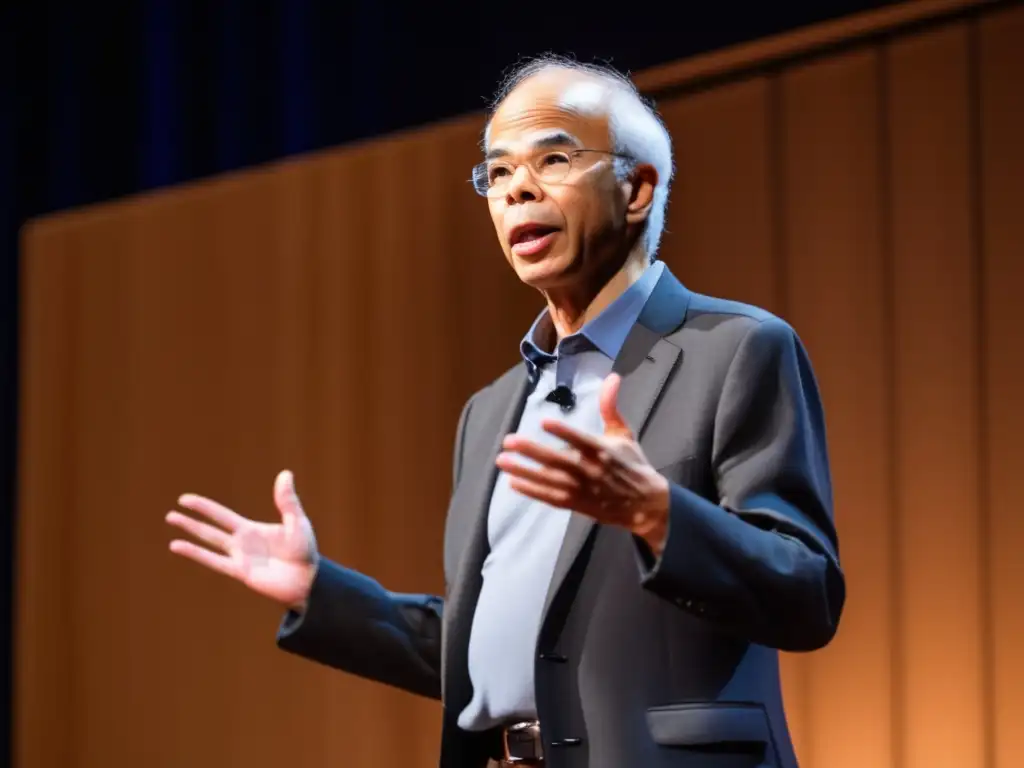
{"x":522,"y":187}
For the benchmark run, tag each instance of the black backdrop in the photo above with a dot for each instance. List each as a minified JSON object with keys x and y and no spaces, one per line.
{"x":104,"y":99}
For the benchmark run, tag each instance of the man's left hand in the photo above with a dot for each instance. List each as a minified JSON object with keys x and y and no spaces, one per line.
{"x":605,"y":477}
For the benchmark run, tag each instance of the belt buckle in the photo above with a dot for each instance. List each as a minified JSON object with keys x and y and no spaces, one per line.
{"x":525,"y":734}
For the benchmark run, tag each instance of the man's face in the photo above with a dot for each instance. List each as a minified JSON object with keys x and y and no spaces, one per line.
{"x":557,"y":234}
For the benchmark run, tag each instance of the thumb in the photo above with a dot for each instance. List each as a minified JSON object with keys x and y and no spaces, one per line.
{"x":285,"y":497}
{"x":614,"y":423}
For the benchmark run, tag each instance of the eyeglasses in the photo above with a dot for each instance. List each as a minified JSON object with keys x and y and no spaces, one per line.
{"x":491,"y":178}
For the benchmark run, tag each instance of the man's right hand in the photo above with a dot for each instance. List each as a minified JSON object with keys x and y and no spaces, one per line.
{"x":278,"y":560}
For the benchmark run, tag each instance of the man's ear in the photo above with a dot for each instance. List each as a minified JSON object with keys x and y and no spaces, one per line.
{"x":641,"y":184}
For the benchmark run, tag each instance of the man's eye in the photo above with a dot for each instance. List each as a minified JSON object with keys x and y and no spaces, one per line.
{"x":555,"y":158}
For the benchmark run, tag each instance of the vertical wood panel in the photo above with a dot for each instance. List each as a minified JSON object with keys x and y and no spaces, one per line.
{"x":720,"y":235}
{"x":936,"y":395}
{"x":1001,"y":64}
{"x":44,"y":668}
{"x":836,"y":289}
{"x":104,"y":527}
{"x":145,"y":637}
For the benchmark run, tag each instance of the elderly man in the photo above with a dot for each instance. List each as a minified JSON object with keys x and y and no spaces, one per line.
{"x":641,"y":515}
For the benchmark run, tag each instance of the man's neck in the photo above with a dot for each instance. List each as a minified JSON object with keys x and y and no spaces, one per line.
{"x":571,"y":309}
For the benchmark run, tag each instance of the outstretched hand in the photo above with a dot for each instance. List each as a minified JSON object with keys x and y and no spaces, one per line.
{"x":277,"y":560}
{"x":606,"y":477}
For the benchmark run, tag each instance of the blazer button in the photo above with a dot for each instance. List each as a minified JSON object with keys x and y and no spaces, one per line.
{"x":689,"y":603}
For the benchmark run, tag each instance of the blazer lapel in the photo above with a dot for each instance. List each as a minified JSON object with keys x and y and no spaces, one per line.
{"x":645,"y":362}
{"x":505,"y":408}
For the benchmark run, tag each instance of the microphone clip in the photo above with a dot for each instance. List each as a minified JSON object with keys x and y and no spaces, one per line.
{"x":563,"y":397}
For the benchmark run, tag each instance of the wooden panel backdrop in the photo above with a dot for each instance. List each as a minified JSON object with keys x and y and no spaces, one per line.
{"x":331,"y":314}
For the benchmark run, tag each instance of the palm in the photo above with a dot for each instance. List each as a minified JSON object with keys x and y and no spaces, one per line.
{"x":276,"y":560}
{"x":271,"y":560}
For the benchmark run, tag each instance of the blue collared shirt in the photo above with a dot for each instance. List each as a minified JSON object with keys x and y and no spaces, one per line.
{"x":525,"y":535}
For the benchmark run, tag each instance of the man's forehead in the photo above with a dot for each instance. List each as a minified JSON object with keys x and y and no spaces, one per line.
{"x":556,"y":104}
{"x":574,"y":91}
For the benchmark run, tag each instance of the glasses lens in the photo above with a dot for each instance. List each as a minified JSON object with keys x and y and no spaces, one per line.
{"x":499,"y":172}
{"x":491,"y":179}
{"x":479,"y":179}
{"x":551,"y":167}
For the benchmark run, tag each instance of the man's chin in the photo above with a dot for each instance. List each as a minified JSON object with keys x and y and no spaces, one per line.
{"x":548,"y":272}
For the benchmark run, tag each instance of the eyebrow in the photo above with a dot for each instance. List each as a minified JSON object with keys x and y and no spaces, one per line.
{"x":556,"y":139}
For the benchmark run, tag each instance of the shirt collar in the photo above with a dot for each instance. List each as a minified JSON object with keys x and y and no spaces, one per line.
{"x":606,"y":333}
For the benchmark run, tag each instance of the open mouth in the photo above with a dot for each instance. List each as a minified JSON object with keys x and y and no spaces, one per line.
{"x":531,"y":239}
{"x":527,"y":233}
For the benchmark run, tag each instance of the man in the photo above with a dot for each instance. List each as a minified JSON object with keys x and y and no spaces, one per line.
{"x":641,"y":513}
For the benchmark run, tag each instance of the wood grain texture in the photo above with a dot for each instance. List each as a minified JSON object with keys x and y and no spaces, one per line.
{"x":1000,"y":190}
{"x":837,"y":292}
{"x":937,"y":358}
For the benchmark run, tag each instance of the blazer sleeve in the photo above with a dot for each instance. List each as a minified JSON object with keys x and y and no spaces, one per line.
{"x":355,"y":625}
{"x":763,"y":562}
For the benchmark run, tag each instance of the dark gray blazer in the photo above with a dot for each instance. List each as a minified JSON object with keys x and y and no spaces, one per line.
{"x":640,"y":663}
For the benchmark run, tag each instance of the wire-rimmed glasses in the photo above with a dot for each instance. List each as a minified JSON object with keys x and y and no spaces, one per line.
{"x":491,"y":177}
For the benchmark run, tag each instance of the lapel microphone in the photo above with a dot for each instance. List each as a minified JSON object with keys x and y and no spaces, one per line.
{"x":563,"y":397}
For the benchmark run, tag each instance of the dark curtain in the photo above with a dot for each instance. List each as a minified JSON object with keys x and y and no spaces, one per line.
{"x":102,"y":100}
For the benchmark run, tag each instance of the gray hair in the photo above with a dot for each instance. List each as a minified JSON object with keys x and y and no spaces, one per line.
{"x":637,"y":129}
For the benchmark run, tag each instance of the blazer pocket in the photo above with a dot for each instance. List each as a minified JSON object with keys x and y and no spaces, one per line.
{"x":706,"y":724}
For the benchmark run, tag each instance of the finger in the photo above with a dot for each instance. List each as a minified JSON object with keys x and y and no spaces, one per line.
{"x":211,"y":560}
{"x":224,"y":517}
{"x":208,"y":534}
{"x":614,"y":422}
{"x":573,"y":462}
{"x":555,"y":497}
{"x":575,"y":438}
{"x":545,"y":475}
{"x":286,"y":498}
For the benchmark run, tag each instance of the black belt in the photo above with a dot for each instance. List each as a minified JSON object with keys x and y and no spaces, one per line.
{"x":521,"y":744}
